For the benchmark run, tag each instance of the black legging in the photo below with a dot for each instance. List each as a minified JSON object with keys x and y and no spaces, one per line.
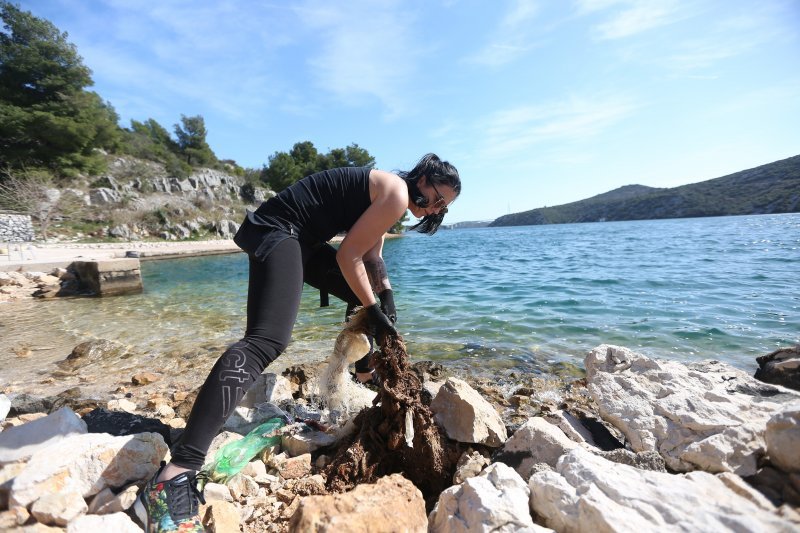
{"x":273,"y":298}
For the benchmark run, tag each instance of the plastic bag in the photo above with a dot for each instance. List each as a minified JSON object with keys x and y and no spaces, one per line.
{"x":231,"y":458}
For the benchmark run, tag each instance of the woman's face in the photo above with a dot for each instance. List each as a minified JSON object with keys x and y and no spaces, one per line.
{"x":439,"y":197}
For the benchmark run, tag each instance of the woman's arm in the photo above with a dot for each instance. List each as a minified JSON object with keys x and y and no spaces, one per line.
{"x":364,"y":240}
{"x":376,"y":268}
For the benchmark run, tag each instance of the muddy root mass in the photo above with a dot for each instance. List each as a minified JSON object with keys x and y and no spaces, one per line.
{"x":379,"y":445}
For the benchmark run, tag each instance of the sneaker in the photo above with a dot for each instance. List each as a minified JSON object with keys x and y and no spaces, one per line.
{"x":171,"y":505}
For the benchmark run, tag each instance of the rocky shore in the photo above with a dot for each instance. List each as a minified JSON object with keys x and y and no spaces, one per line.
{"x":638,"y":444}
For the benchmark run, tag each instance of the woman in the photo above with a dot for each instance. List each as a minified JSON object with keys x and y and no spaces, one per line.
{"x":286,"y":240}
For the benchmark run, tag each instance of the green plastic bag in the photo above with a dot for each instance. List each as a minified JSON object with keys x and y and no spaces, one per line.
{"x":231,"y":458}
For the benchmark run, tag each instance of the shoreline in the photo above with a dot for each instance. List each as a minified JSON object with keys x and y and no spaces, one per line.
{"x":44,"y":257}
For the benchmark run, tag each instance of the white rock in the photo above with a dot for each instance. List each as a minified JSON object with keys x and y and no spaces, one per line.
{"x":466,"y":416}
{"x":116,"y":522}
{"x":122,"y":404}
{"x":495,"y":500}
{"x":267,"y":387}
{"x":783,"y":439}
{"x":87,"y":464}
{"x":241,"y":486}
{"x":59,"y":508}
{"x":589,"y":493}
{"x":5,"y":407}
{"x":708,"y":415}
{"x":20,"y":442}
{"x":108,"y":502}
{"x":165,"y":411}
{"x":217,"y":492}
{"x":255,"y":469}
{"x":536,"y":441}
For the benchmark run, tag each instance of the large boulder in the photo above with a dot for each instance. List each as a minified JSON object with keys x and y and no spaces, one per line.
{"x":495,"y":500}
{"x":698,"y":416}
{"x":781,"y":367}
{"x":391,"y":504}
{"x":536,"y":441}
{"x":87,"y":464}
{"x":21,"y":442}
{"x":589,"y":493}
{"x":466,"y":416}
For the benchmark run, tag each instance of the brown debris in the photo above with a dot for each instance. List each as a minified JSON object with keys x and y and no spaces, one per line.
{"x":378,"y":447}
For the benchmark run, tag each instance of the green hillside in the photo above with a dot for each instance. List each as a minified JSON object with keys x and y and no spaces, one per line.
{"x":770,"y":188}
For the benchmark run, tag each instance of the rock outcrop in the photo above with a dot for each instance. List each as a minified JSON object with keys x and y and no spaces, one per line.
{"x":589,"y":493}
{"x":698,"y":416}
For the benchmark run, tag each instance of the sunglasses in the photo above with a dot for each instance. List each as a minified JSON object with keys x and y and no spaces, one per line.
{"x":440,"y":203}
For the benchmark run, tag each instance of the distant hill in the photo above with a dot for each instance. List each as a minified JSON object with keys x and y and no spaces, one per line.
{"x":770,"y":188}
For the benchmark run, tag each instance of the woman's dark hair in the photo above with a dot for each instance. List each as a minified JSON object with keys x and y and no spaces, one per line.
{"x":437,"y":172}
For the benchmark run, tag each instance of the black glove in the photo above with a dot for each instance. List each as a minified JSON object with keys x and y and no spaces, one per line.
{"x":379,"y":323}
{"x":387,"y":304}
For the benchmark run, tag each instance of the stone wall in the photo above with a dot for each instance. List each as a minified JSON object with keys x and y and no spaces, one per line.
{"x":16,"y":228}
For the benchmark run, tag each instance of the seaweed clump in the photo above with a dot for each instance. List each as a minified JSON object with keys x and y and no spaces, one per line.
{"x":397,"y":434}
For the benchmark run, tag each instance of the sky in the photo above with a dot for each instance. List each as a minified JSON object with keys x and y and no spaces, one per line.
{"x":537,"y":103}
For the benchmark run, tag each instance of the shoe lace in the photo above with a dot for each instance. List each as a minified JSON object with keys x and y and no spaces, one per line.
{"x":183,"y":495}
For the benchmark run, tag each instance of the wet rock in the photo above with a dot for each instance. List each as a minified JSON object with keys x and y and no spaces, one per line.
{"x":782,"y":438}
{"x":537,"y":441}
{"x":781,"y":367}
{"x":391,"y":504}
{"x":21,"y":442}
{"x":466,"y":416}
{"x":589,"y":493}
{"x":95,"y":350}
{"x":120,"y":424}
{"x":87,"y":464}
{"x":495,"y":500}
{"x":708,"y":415}
{"x":59,"y":508}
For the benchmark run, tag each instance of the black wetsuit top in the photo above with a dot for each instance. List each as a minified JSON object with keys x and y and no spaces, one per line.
{"x":313,"y":210}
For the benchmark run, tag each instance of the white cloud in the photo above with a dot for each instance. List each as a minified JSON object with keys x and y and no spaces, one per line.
{"x":512,"y":38}
{"x":629,"y":17}
{"x":365,"y":51}
{"x":518,"y":129}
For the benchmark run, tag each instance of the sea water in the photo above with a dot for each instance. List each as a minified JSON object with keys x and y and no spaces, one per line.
{"x":484,"y":299}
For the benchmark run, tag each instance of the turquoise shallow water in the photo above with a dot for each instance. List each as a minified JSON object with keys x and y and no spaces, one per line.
{"x":500,"y":298}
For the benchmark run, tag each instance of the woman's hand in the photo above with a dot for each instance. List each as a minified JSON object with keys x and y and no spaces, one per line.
{"x":386,"y":297}
{"x":379,"y":323}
